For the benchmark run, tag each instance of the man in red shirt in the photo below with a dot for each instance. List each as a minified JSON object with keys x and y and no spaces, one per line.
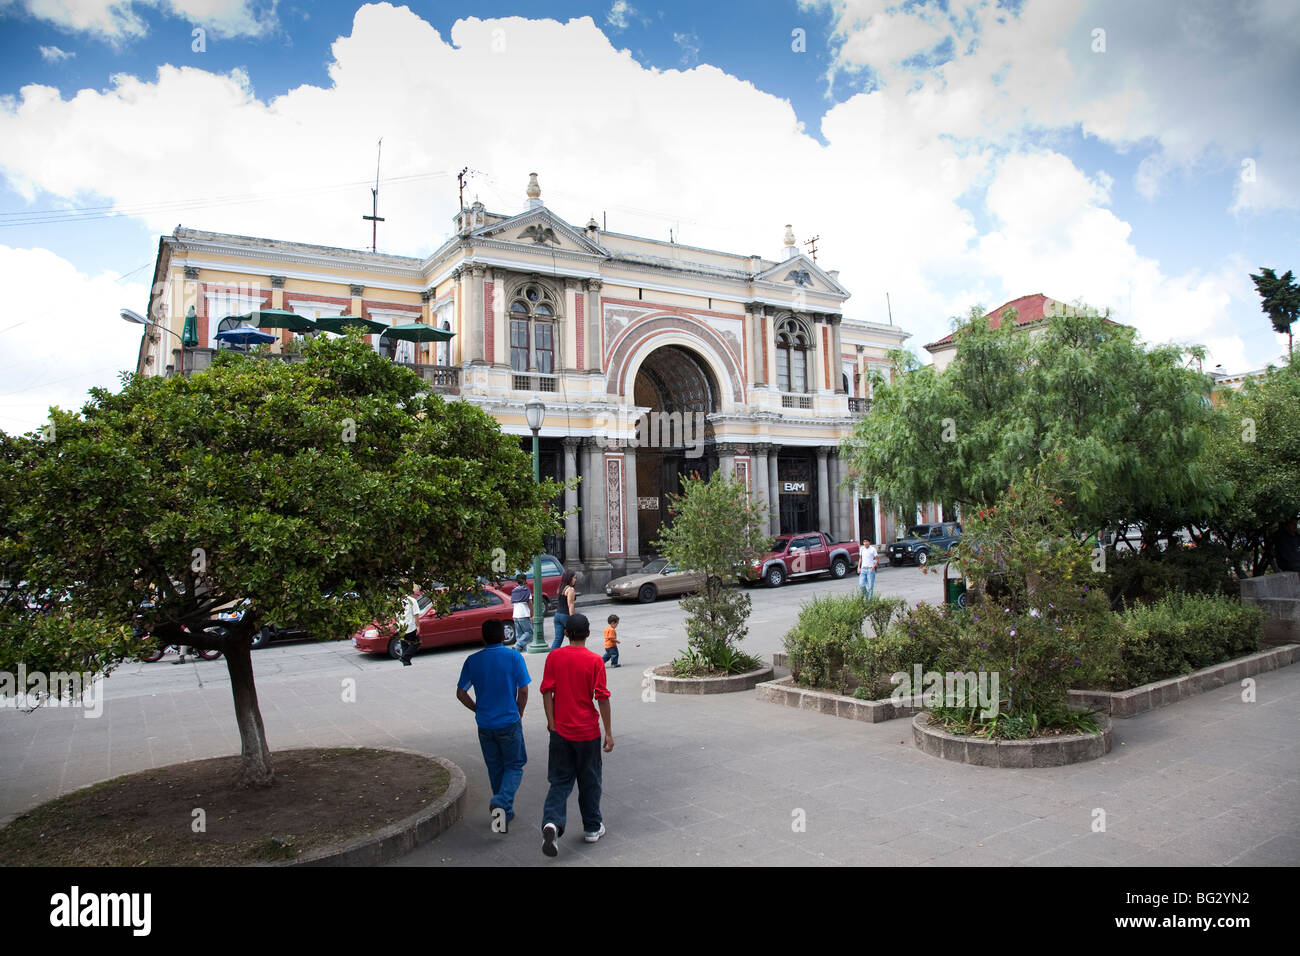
{"x":573,"y":687}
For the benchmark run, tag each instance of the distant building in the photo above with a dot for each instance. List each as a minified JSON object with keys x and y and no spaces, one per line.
{"x":610,"y":330}
{"x":1029,"y":312}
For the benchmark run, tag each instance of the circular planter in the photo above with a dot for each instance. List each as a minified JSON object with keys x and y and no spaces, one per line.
{"x":663,"y":682}
{"x":382,"y":846}
{"x":1022,"y":754}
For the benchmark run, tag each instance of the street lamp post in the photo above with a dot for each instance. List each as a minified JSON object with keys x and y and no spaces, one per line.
{"x":135,"y":318}
{"x":535,"y":414}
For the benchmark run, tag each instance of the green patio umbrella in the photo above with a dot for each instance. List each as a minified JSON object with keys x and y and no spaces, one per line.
{"x":337,"y":323}
{"x":190,"y":332}
{"x":417,"y":332}
{"x":275,"y":319}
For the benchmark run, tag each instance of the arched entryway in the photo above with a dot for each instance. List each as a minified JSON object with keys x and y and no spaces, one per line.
{"x":673,"y":438}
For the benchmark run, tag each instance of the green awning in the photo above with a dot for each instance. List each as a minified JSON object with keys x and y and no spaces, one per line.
{"x":337,"y":323}
{"x":418,"y":332}
{"x":190,"y":332}
{"x":275,"y":319}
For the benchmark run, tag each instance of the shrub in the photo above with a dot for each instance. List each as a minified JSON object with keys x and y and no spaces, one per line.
{"x":921,"y":637}
{"x":826,"y":641}
{"x":1145,"y":576}
{"x":1181,"y":633}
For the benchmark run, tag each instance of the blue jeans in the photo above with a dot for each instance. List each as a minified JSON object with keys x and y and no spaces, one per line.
{"x":561,"y":619}
{"x":504,"y":754}
{"x":523,"y":632}
{"x":867,"y":581}
{"x":569,"y":761}
{"x":611,"y":655}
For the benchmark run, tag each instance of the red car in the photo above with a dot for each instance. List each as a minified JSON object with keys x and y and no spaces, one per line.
{"x":462,"y":626}
{"x":552,"y":572}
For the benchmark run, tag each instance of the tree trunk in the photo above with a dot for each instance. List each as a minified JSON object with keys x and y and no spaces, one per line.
{"x":255,"y":770}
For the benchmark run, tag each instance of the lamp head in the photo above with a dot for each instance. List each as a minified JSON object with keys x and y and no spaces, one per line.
{"x":535,"y":413}
{"x":129,"y":315}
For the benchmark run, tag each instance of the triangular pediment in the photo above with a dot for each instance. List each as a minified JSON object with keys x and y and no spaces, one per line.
{"x":800,"y":272}
{"x":539,"y":229}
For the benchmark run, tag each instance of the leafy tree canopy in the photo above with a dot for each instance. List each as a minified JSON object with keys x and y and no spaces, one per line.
{"x":1125,"y":424}
{"x":1279,"y":300}
{"x":316,"y":490}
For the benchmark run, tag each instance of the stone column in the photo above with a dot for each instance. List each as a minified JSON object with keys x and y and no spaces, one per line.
{"x":592,"y":357}
{"x":458,"y":347}
{"x":571,"y":546}
{"x":823,"y":490}
{"x":832,"y":488}
{"x":837,"y":360}
{"x":478,"y":342}
{"x":633,"y":512}
{"x":773,"y":492}
{"x":595,"y":535}
{"x":758,"y":461}
{"x":726,"y":459}
{"x":758,"y":354}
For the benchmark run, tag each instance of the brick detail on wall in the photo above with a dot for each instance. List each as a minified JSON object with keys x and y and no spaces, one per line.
{"x":580,"y":324}
{"x":826,"y":356}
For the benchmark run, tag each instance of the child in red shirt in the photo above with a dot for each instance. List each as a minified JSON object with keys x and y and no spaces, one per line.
{"x":611,"y":641}
{"x":573,"y":688}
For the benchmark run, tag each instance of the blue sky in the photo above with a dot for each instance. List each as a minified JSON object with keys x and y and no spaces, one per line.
{"x":951,"y":153}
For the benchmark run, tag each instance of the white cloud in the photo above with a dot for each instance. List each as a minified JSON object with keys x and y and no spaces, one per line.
{"x":52,"y":54}
{"x":118,"y":20}
{"x":62,"y":335}
{"x":1206,"y":84}
{"x":620,"y":14}
{"x":690,"y":47}
{"x":720,"y":162}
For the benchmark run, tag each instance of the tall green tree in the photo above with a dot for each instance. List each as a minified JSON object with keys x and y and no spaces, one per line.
{"x":316,"y":490}
{"x":1279,"y":300}
{"x":1255,"y":448}
{"x":716,"y":529}
{"x":1125,"y":424}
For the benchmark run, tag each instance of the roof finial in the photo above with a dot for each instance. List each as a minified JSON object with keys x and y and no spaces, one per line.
{"x":789,"y":251}
{"x":534,"y":192}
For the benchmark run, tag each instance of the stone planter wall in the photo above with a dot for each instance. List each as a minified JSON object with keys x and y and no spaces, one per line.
{"x":785,"y":691}
{"x":1128,"y":703}
{"x":1021,"y":754}
{"x":664,"y":683}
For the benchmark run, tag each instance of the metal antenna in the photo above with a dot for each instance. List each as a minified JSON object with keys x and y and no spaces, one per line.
{"x":812,"y":244}
{"x":890,"y":308}
{"x":460,"y":178}
{"x":374,"y":217}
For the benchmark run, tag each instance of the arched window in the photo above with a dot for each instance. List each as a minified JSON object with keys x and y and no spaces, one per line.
{"x":792,"y":340}
{"x":532,"y":329}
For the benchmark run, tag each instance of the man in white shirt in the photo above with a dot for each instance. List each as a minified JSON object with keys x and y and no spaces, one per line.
{"x":868,"y":558}
{"x":521,"y":600}
{"x":410,"y":625}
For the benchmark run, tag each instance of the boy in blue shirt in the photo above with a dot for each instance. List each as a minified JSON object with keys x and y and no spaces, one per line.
{"x":499,"y":678}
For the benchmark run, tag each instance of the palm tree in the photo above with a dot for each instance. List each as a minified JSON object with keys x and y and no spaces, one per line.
{"x":1280,"y":298}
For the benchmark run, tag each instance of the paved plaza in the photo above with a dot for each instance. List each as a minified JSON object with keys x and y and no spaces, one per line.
{"x":727,"y":779}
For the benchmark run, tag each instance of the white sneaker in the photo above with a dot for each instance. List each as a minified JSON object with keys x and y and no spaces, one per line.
{"x":593,"y":837}
{"x":550,"y":833}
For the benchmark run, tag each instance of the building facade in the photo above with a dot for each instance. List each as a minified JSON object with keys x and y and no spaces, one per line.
{"x":654,"y":359}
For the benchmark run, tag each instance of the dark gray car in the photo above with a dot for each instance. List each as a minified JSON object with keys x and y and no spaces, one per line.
{"x":925,"y":542}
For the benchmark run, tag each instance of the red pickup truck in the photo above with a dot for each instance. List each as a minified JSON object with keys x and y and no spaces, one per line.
{"x":800,"y":555}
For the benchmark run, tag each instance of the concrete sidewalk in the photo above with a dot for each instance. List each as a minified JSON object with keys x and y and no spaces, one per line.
{"x":728,"y":779}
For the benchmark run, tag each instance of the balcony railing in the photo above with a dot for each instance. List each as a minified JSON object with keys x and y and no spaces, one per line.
{"x":444,"y":379}
{"x":533,"y":382}
{"x":859,"y":406}
{"x":790,"y":400}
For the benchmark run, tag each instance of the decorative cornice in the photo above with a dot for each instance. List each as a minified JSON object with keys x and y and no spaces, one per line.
{"x":594,"y":286}
{"x":191,"y":272}
{"x":478,"y":269}
{"x":428,"y":294}
{"x":277,"y":282}
{"x":356,"y":291}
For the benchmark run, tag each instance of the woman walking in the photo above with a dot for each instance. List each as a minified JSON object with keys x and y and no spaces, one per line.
{"x":564,"y":606}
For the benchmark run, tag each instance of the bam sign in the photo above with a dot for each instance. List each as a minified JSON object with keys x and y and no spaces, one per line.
{"x":794,"y":487}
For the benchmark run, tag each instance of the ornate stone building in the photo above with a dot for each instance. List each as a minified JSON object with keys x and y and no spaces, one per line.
{"x":654,"y":359}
